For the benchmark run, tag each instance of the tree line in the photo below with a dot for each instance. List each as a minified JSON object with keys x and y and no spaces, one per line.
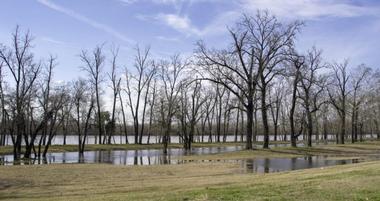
{"x":260,"y":84}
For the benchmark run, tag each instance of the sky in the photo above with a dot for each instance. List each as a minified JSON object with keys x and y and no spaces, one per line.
{"x":342,"y":28}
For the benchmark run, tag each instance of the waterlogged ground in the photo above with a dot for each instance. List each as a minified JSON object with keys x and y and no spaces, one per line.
{"x":324,"y":172}
{"x":279,"y":158}
{"x":191,"y":181}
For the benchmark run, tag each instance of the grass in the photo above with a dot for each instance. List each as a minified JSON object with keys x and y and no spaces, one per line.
{"x":192,"y":181}
{"x":200,"y":181}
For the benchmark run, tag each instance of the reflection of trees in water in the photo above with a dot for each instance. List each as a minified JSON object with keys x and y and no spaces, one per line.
{"x":81,"y":158}
{"x":293,"y":162}
{"x":266,"y":165}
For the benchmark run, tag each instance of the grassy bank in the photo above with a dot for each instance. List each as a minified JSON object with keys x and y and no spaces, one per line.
{"x":193,"y":181}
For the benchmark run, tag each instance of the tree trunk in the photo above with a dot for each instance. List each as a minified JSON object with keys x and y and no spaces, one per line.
{"x":343,"y":127}
{"x":249,"y":125}
{"x":264,"y":116}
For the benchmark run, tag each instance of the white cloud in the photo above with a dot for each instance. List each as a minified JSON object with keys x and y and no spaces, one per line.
{"x":179,"y":23}
{"x":184,"y":24}
{"x":85,"y":20}
{"x":310,"y":9}
{"x":300,"y":9}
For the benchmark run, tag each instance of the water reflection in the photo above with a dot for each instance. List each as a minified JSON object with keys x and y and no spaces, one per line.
{"x":121,"y":157}
{"x":156,"y":157}
{"x":268,"y":165}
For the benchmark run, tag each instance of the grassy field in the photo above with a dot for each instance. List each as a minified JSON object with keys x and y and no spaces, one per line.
{"x":193,"y":181}
{"x":200,"y":181}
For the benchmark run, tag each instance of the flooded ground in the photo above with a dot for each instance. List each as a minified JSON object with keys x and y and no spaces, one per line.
{"x":123,"y":157}
{"x":268,"y":165}
{"x":156,"y":157}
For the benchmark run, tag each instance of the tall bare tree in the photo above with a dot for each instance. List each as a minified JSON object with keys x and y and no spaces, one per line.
{"x":312,"y":86}
{"x":338,"y":92}
{"x":191,"y":102}
{"x":295,"y":72}
{"x":24,"y":71}
{"x":93,"y":65}
{"x":260,"y":44}
{"x":84,"y":102}
{"x":171,"y":74}
{"x":359,"y":77}
{"x":115,"y":86}
{"x":136,"y":84}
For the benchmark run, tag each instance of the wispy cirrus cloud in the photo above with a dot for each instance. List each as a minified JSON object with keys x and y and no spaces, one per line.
{"x":310,"y":9}
{"x":184,"y":25}
{"x":58,"y":42}
{"x":295,"y":9}
{"x":86,"y":20}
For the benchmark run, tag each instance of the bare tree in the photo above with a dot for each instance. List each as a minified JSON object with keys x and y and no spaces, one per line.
{"x":115,"y":86}
{"x":295,"y":72}
{"x":273,"y":43}
{"x":170,"y":73}
{"x":84,"y":102}
{"x":152,"y":102}
{"x":45,"y":99}
{"x":275,"y":98}
{"x":260,"y":44}
{"x":24,"y":71}
{"x":191,"y":102}
{"x":375,"y":99}
{"x":135,"y":86}
{"x":57,"y":101}
{"x":338,"y":92}
{"x":4,"y":114}
{"x":312,"y":86}
{"x":359,"y":77}
{"x":93,"y":65}
{"x":124,"y":119}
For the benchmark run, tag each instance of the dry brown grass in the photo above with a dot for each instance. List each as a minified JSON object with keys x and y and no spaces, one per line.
{"x":193,"y":181}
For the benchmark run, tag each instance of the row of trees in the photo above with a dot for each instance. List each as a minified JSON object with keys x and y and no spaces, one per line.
{"x":258,"y":85}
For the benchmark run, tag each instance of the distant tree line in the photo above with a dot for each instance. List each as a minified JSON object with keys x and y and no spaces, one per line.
{"x":259,"y":85}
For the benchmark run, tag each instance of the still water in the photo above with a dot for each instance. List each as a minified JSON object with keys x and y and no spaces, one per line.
{"x":268,"y":165}
{"x":123,"y":157}
{"x":156,"y":157}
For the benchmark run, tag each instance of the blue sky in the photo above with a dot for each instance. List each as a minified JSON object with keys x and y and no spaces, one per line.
{"x":342,"y":28}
